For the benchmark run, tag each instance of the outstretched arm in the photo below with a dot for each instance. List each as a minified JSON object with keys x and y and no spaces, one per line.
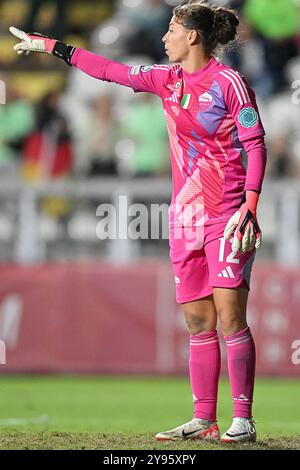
{"x":140,"y":78}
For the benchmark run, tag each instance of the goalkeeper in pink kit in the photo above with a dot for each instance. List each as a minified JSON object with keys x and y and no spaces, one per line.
{"x":212,"y":116}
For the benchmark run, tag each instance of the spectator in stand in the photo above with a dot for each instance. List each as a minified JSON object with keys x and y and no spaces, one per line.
{"x":101,"y":136}
{"x":152,"y":19}
{"x":282,"y":126}
{"x":59,"y":27}
{"x":48,"y":150}
{"x":16,"y":121}
{"x":277,"y":24}
{"x":145,"y":125}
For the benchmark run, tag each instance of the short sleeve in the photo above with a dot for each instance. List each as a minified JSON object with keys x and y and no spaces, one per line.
{"x":150,"y":78}
{"x":241,"y":104}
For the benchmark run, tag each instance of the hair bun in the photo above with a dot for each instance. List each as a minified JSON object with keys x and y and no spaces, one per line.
{"x":226,"y":23}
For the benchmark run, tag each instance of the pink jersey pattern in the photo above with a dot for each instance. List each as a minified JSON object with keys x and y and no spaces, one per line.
{"x":210,"y":114}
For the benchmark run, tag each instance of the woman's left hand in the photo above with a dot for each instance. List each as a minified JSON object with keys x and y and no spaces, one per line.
{"x":244,"y":225}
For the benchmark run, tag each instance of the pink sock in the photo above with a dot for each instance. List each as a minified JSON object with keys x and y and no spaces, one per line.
{"x":241,"y":368}
{"x":205,"y":364}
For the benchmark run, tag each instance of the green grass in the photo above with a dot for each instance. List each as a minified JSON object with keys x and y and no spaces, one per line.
{"x":125,"y":412}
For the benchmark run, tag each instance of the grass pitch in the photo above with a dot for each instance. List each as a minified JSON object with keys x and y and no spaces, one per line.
{"x":125,"y":412}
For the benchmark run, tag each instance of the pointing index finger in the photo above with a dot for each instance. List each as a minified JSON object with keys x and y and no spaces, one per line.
{"x":18,"y":33}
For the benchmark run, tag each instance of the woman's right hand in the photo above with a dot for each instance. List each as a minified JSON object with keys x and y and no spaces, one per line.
{"x":32,"y":42}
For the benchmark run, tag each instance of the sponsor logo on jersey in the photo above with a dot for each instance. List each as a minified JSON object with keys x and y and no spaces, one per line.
{"x":248,"y":117}
{"x":176,"y":89}
{"x":175,"y":86}
{"x":146,"y":68}
{"x":177,"y":281}
{"x":205,"y":100}
{"x":227,"y":272}
{"x":135,"y":70}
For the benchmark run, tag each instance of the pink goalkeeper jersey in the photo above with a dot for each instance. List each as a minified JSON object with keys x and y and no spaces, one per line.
{"x":209,"y":114}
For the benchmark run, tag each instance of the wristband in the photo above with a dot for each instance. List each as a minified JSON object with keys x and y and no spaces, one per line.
{"x":63,"y":51}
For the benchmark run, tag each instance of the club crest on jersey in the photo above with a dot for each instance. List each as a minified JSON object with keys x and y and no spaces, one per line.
{"x":205,"y":101}
{"x":248,"y":117}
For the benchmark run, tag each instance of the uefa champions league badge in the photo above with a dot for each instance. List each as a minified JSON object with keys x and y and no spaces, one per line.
{"x":248,"y":117}
{"x":205,"y":101}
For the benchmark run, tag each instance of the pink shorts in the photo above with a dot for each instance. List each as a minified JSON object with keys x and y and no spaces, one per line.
{"x":198,"y":270}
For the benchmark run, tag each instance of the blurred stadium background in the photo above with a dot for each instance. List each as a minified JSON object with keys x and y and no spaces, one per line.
{"x":73,"y":303}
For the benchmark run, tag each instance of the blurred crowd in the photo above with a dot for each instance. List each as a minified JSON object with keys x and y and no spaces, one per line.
{"x":88,"y":128}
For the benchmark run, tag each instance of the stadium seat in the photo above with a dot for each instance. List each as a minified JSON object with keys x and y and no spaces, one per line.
{"x":34,"y":85}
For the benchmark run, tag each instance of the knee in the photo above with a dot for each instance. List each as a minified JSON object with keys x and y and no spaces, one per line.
{"x":195,"y":325}
{"x":231,"y":321}
{"x":199,"y":322}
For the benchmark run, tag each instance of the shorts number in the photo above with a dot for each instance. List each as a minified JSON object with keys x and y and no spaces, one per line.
{"x":230,"y":258}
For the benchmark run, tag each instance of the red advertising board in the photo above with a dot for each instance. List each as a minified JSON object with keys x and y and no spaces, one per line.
{"x":105,"y":318}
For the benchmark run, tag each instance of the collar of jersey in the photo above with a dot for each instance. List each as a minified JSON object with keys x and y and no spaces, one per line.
{"x":212,"y":62}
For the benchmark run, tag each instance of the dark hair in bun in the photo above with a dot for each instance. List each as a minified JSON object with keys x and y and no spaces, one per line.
{"x":217,"y":26}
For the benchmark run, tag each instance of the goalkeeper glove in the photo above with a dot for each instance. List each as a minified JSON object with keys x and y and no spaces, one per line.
{"x":36,"y":42}
{"x":244,"y":225}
